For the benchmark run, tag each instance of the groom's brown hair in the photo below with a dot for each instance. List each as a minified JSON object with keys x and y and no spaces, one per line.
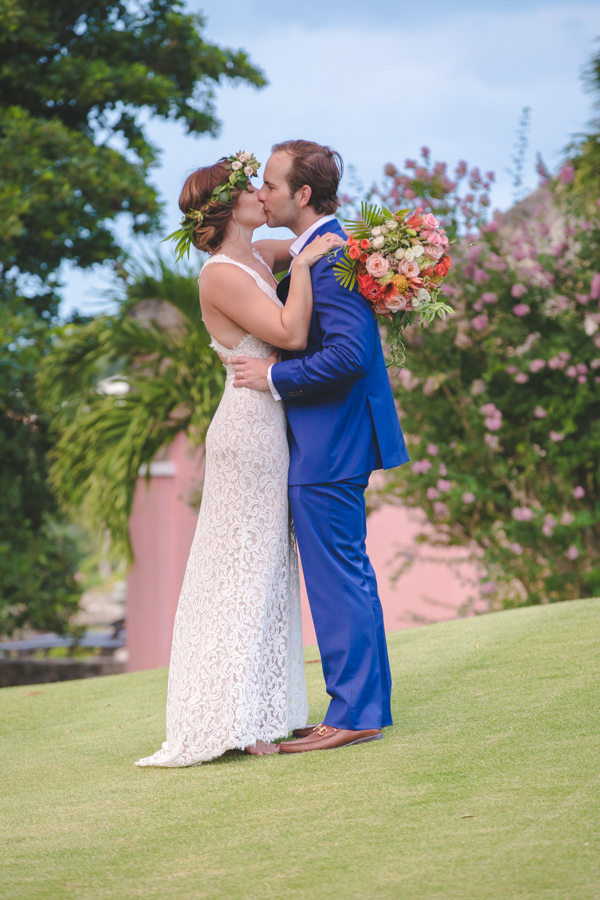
{"x":320,"y":167}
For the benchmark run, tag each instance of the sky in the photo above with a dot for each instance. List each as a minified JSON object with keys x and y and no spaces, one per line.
{"x":377,"y":80}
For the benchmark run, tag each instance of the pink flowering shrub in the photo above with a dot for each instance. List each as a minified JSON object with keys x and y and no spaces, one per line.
{"x":512,"y":407}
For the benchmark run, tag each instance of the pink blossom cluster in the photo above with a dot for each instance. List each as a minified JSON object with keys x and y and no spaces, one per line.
{"x":493,"y":416}
{"x":421,"y":466}
{"x":536,"y":365}
{"x":522,"y":514}
{"x":560,"y":360}
{"x":549,"y":525}
{"x":487,"y":587}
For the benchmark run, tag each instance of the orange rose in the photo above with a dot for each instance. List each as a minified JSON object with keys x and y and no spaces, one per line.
{"x":353,"y":252}
{"x":363,"y":257}
{"x":443,"y":266}
{"x":365,"y":244}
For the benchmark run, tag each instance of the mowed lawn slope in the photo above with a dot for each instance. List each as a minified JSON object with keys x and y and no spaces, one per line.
{"x":487,"y":786}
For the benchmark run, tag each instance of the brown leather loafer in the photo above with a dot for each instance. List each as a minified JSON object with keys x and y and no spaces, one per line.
{"x":304,"y":732}
{"x":324,"y":737}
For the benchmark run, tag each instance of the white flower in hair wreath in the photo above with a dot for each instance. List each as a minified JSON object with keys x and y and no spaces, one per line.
{"x":243,"y":167}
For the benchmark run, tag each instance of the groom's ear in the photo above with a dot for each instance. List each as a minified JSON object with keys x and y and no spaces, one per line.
{"x":303,"y":196}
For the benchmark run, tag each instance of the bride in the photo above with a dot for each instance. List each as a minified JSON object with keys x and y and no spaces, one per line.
{"x":236,"y":677}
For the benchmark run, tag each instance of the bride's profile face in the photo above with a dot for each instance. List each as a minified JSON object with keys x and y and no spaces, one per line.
{"x":249,"y":210}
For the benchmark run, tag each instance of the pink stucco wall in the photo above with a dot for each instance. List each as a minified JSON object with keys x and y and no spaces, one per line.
{"x":435,"y":588}
{"x":162,"y":527}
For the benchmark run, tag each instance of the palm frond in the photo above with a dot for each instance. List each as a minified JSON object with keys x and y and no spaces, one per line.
{"x":370,"y":216}
{"x":345,"y":272}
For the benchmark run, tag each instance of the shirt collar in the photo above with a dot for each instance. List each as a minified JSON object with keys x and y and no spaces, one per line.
{"x":300,"y":241}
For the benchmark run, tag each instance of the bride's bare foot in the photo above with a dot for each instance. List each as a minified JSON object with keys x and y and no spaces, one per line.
{"x":262,"y":748}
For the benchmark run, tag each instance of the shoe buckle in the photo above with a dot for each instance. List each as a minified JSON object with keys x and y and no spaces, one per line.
{"x":321,"y":730}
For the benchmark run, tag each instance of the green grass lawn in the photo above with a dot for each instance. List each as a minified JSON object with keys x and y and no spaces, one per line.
{"x":487,"y":786}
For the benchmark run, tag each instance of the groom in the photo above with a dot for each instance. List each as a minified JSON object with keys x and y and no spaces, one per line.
{"x":342,"y":425}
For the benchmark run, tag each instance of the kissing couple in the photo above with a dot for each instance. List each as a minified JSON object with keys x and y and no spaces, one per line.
{"x":306,"y":415}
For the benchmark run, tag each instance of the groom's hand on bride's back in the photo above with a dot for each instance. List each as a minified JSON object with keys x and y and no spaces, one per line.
{"x":251,"y":371}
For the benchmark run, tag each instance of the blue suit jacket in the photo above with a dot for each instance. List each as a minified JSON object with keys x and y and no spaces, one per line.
{"x":342,"y":420}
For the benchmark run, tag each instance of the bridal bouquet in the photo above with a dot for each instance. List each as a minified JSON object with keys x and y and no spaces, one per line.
{"x":399,"y":261}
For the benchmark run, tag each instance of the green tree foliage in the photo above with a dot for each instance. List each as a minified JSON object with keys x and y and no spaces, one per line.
{"x":501,"y":403}
{"x":172,"y":383}
{"x":581,"y":172}
{"x":76,"y":81}
{"x":38,"y":555}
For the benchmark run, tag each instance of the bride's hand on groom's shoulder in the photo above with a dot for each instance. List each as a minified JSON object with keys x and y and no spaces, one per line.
{"x":319,"y":248}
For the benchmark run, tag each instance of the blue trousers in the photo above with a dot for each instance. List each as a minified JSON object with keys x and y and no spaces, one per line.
{"x":331,"y":527}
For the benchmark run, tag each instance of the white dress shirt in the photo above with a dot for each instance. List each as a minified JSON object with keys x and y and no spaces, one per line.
{"x":295,"y":249}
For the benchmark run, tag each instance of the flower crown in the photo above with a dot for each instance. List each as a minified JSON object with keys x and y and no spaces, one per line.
{"x":243,"y":167}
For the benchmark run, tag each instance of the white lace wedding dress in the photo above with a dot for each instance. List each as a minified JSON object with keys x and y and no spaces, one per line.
{"x":237,"y":673}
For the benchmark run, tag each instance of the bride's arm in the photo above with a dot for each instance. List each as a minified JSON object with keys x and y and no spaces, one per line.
{"x":234,"y":294}
{"x":275,"y":253}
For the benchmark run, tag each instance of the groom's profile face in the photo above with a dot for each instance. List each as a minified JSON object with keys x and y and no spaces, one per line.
{"x":281,"y":207}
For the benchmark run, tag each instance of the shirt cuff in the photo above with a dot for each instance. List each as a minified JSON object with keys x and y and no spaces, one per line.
{"x":272,"y":387}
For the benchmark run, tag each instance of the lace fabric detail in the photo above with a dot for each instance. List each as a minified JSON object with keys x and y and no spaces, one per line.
{"x":237,"y":671}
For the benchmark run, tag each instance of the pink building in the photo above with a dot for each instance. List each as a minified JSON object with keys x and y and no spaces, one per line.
{"x":435,"y":588}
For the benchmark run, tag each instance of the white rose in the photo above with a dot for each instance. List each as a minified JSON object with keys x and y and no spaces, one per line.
{"x":417,"y":251}
{"x":399,"y":254}
{"x":379,"y":242}
{"x":249,"y":171}
{"x":423,"y":296}
{"x":415,"y":302}
{"x":409,"y":255}
{"x":391,"y":224}
{"x":236,"y":166}
{"x":377,"y":230}
{"x":244,"y":157}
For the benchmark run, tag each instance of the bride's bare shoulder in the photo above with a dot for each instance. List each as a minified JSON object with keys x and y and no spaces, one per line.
{"x":218,"y":275}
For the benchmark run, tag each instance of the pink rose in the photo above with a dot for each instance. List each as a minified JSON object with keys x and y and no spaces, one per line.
{"x":539,"y":412}
{"x":468,"y":497}
{"x":409,"y":268}
{"x":578,"y":492}
{"x":432,"y":449}
{"x":536,"y":365}
{"x":395,"y":304}
{"x":479,"y":322}
{"x":434,"y":251}
{"x":572,"y":552}
{"x":377,"y":266}
{"x":488,"y":297}
{"x":430,"y":221}
{"x":595,"y":287}
{"x":521,"y":309}
{"x":435,"y":238}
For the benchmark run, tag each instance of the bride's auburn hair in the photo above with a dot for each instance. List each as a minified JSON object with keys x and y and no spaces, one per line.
{"x":196,"y":193}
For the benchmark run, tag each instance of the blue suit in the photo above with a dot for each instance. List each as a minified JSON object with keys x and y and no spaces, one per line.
{"x":342,"y":424}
